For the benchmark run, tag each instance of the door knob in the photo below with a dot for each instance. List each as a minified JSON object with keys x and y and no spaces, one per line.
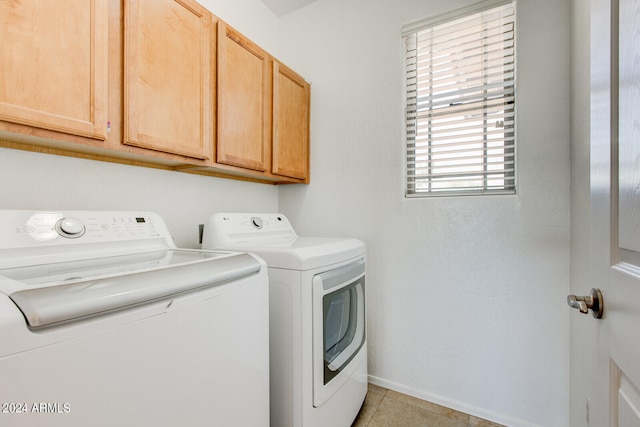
{"x":592,"y":301}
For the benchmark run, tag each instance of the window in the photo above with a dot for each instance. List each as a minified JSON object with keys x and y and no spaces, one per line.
{"x":460,"y":102}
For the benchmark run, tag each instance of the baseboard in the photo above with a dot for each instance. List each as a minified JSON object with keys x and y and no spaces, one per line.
{"x":458,"y":406}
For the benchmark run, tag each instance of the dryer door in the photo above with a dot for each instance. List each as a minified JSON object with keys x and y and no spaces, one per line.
{"x":338,"y":326}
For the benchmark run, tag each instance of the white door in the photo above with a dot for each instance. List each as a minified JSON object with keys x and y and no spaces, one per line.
{"x":615,"y":210}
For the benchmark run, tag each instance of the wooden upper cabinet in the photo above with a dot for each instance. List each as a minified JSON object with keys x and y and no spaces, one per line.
{"x":244,"y":102}
{"x":53,"y":65}
{"x":290,"y":123}
{"x":159,"y":81}
{"x":168,"y":75}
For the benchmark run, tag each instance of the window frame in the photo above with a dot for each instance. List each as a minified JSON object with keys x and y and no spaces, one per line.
{"x":484,"y":166}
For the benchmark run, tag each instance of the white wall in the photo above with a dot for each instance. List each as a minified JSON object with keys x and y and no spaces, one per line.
{"x":251,"y":17}
{"x":39,"y":181}
{"x":466,"y":295}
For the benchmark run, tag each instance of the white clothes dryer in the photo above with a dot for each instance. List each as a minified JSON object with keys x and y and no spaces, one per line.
{"x":317,"y":326}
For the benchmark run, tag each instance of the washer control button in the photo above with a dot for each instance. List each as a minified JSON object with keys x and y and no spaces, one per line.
{"x":257,"y":222}
{"x":70,"y":227}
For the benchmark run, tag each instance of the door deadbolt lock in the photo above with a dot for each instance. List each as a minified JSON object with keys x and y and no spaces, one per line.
{"x":592,"y":301}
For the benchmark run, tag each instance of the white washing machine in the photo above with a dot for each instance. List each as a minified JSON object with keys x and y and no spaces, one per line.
{"x":318,"y":340}
{"x":104,"y":322}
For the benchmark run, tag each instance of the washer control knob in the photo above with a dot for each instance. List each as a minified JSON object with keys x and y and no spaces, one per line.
{"x":257,"y":222}
{"x":70,"y":227}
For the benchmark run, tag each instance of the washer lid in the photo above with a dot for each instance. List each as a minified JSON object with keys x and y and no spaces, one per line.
{"x":303,"y":253}
{"x":103,"y":285}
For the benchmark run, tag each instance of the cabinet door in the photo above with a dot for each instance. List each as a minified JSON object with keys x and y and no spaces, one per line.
{"x":244,"y":102}
{"x":53,"y":65}
{"x":168,"y":75}
{"x":290,"y":123}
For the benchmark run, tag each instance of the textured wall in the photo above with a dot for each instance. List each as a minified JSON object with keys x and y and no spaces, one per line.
{"x":48,"y":182}
{"x":466,"y":295}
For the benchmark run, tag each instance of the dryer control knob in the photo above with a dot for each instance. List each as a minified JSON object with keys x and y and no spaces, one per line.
{"x":70,"y":227}
{"x":257,"y":222}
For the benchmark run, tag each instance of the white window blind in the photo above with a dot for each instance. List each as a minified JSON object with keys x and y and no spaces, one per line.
{"x":460,"y":112}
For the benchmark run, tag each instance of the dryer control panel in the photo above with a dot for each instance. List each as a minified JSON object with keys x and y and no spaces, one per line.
{"x":232,"y":228}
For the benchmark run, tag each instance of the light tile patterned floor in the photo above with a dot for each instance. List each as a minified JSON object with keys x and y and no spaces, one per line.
{"x":384,"y":407}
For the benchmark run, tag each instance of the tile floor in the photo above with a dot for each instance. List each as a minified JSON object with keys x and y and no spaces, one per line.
{"x":384,"y":407}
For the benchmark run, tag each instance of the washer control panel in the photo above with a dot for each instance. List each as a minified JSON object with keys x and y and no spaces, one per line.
{"x":18,"y":228}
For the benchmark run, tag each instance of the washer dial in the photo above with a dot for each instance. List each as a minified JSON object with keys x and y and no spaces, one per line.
{"x":71,"y":228}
